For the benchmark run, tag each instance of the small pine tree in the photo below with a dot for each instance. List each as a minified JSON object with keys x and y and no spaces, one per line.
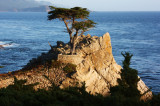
{"x":129,"y":79}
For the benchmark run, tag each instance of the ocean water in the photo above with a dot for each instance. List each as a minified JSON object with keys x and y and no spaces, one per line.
{"x":26,"y":36}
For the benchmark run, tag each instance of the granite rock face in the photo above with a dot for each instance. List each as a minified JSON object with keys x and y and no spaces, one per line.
{"x":96,"y":67}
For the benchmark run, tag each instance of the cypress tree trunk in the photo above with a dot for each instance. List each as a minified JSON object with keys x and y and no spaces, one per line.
{"x":73,"y":44}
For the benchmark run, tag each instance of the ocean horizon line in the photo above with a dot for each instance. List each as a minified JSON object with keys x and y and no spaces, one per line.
{"x":90,"y":11}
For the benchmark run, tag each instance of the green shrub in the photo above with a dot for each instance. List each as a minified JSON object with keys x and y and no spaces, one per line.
{"x":56,"y":64}
{"x":69,"y":68}
{"x":128,"y":83}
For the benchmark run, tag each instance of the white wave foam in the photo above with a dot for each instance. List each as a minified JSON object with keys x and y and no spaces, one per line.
{"x":8,"y":44}
{"x":2,"y":43}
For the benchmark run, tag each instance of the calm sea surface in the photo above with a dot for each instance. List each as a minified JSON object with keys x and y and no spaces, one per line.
{"x":136,"y":32}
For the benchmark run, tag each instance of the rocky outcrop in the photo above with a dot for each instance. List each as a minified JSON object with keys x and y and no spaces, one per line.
{"x":96,"y":67}
{"x":5,"y":45}
{"x":42,"y":75}
{"x":1,"y":46}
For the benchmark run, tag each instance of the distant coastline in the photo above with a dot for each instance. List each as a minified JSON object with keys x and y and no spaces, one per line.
{"x":43,"y":8}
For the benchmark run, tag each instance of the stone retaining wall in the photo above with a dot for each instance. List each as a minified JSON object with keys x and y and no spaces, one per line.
{"x":74,"y":59}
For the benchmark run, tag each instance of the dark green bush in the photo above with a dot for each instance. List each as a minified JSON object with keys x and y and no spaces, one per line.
{"x":19,"y":94}
{"x":128,"y":83}
{"x":56,"y":64}
{"x":70,"y":68}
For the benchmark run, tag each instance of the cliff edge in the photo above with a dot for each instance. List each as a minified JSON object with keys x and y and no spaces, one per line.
{"x":95,"y":65}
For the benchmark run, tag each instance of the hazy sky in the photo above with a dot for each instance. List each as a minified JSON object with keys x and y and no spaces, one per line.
{"x":11,"y":4}
{"x":112,"y":5}
{"x":95,"y":5}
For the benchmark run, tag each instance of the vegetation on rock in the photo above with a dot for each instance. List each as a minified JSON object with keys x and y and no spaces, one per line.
{"x":45,"y":59}
{"x":70,"y":68}
{"x":56,"y":64}
{"x":124,"y":94}
{"x":128,"y":83}
{"x":75,"y":19}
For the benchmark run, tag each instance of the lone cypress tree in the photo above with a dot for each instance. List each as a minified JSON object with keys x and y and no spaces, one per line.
{"x":75,"y":19}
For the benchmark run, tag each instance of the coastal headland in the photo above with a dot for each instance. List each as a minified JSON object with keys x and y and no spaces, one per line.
{"x":92,"y":63}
